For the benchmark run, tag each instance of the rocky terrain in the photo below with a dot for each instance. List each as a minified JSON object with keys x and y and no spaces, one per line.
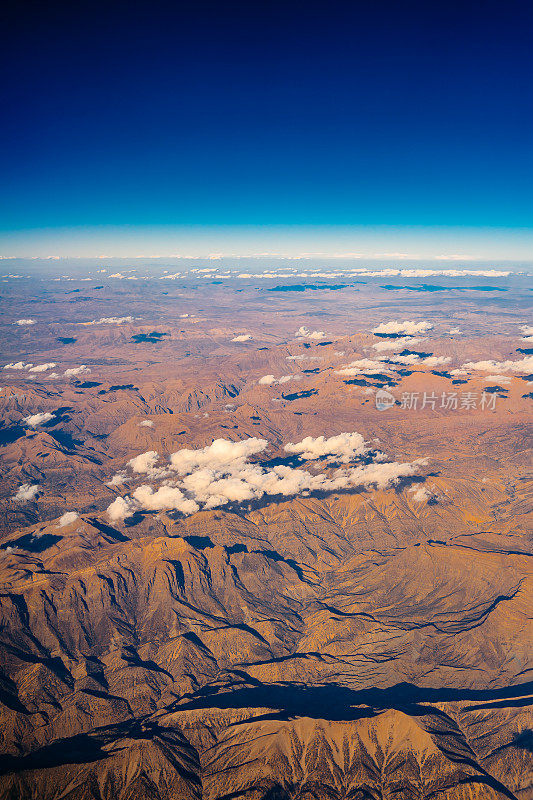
{"x":226,"y":573}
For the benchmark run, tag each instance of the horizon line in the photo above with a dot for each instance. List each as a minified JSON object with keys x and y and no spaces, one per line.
{"x":453,"y":257}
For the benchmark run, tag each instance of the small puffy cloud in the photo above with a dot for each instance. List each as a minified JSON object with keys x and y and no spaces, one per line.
{"x":220,"y":453}
{"x":361,"y":365}
{"x":108,"y":320}
{"x":243,"y":337}
{"x":413,"y":359}
{"x":68,"y":518}
{"x":38,"y":419}
{"x":405,"y":328}
{"x":270,"y":380}
{"x":26,"y":492}
{"x":523,"y":365}
{"x":454,"y":330}
{"x":73,"y":371}
{"x":43,"y":367}
{"x":146,"y":423}
{"x":121,"y":508}
{"x":117,"y":275}
{"x":166,"y":498}
{"x":527,"y":330}
{"x":430,"y":273}
{"x":145,"y":462}
{"x":117,"y":480}
{"x":421,"y":494}
{"x":384,"y":475}
{"x":304,"y":333}
{"x":22,"y":322}
{"x":18,"y":365}
{"x":498,"y":378}
{"x":343,"y":447}
{"x":435,"y":361}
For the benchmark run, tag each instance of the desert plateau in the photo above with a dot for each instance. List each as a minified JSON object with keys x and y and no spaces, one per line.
{"x":230,"y":570}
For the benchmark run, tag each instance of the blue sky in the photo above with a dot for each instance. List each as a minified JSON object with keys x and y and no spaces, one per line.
{"x":405,"y":126}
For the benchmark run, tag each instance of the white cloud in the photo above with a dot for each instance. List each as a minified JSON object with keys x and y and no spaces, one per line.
{"x":146,"y":423}
{"x":243,"y":337}
{"x":304,"y":333}
{"x":435,"y":361}
{"x":430,"y":273}
{"x":68,"y":518}
{"x":382,"y":363}
{"x":218,"y":455}
{"x":499,"y":378}
{"x":522,"y":365}
{"x":26,"y":492}
{"x":413,"y":359}
{"x":38,"y":419}
{"x":43,"y":367}
{"x":70,"y":373}
{"x":421,"y":494}
{"x":22,"y":322}
{"x":117,"y":480}
{"x":361,"y":365}
{"x":405,"y":328}
{"x":222,"y":473}
{"x":108,"y":320}
{"x":18,"y":365}
{"x":270,"y":380}
{"x":120,"y":509}
{"x":167,"y":498}
{"x":343,"y":447}
{"x":145,"y":462}
{"x":527,"y":330}
{"x":117,"y":275}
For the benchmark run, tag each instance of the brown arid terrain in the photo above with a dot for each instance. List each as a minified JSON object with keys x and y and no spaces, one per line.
{"x":226,"y":572}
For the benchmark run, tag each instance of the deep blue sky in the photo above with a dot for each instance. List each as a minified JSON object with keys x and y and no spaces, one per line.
{"x":378,"y":113}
